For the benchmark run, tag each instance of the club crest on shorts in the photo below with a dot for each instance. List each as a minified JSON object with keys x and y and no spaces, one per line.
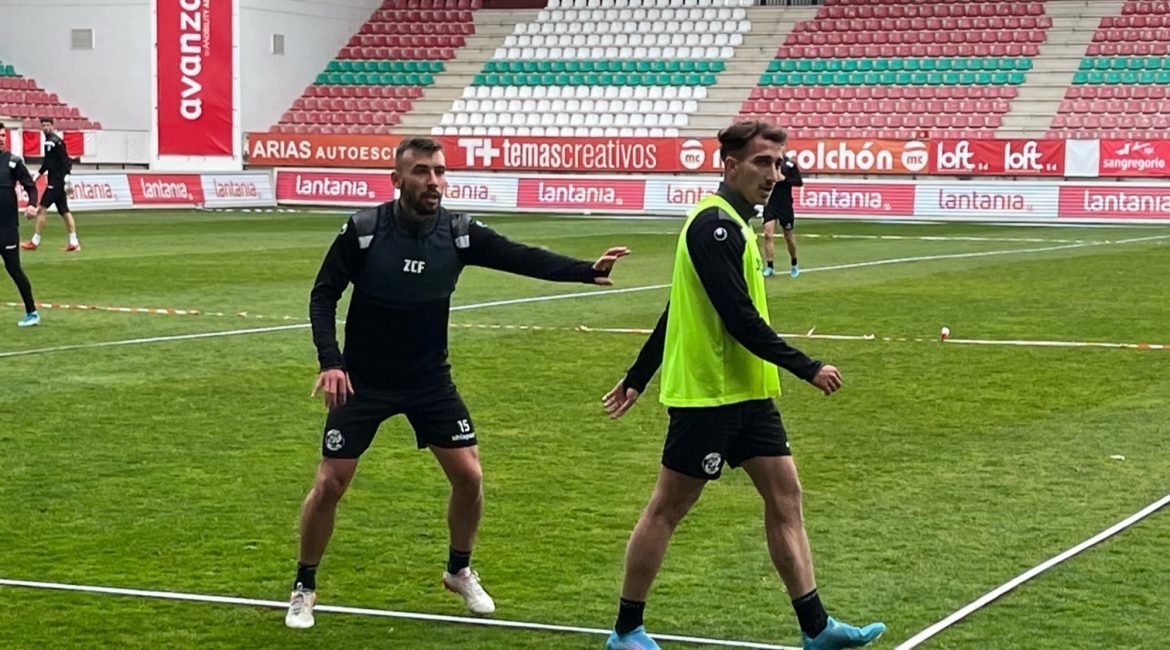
{"x":712,"y":462}
{"x":334,"y":440}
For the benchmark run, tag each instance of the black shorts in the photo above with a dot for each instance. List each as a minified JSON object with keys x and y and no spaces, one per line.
{"x":787,"y":218}
{"x":439,"y":418}
{"x":55,"y":194}
{"x":701,"y":439}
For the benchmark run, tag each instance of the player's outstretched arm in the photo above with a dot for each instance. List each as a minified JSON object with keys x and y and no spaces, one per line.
{"x":716,"y":250}
{"x":491,"y":250}
{"x":619,"y":400}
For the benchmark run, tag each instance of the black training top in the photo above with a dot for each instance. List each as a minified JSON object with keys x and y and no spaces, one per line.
{"x":56,"y":161}
{"x":403,"y":277}
{"x":13,"y":171}
{"x":780,"y":201}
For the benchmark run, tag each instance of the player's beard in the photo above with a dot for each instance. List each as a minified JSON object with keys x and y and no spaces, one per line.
{"x":418,"y":211}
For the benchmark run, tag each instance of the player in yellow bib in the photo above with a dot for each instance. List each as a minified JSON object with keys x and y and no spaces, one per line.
{"x":719,"y":358}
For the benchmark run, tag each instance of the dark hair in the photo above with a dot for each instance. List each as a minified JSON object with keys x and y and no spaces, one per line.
{"x":46,"y":119}
{"x":424,"y":145}
{"x":735,"y":138}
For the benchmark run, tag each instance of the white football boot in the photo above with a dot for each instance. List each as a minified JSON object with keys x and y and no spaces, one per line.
{"x":300,"y":608}
{"x":466,"y":584}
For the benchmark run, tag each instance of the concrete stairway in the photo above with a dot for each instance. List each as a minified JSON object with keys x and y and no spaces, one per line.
{"x":1073,"y":24}
{"x":770,"y":25}
{"x":491,"y":27}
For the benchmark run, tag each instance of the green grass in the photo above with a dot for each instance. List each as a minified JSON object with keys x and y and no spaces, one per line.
{"x":937,"y":474}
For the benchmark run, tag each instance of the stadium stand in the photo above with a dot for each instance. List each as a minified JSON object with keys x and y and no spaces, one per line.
{"x":1120,"y":89}
{"x":22,"y":99}
{"x":901,"y":69}
{"x":610,"y":70}
{"x":384,"y":68}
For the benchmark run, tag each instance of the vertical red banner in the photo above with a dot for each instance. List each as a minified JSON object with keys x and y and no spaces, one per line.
{"x":195,"y":64}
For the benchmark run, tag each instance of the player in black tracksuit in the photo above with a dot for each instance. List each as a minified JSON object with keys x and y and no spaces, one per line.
{"x":779,"y":209}
{"x":58,"y":166}
{"x":404,"y":259}
{"x":13,"y":171}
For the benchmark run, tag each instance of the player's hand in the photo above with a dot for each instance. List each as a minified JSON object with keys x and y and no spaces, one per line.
{"x":606,"y":262}
{"x":619,"y":400}
{"x":30,"y":212}
{"x":828,"y":380}
{"x":335,"y":382}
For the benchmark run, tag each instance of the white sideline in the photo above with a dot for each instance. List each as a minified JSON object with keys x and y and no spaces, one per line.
{"x":992,"y":595}
{"x":585,"y":294}
{"x":365,"y":611}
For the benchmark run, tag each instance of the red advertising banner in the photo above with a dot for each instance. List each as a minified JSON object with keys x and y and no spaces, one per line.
{"x":285,"y":150}
{"x":166,"y":189}
{"x":581,"y":193}
{"x":892,"y":199}
{"x":507,"y":153}
{"x":195,"y":64}
{"x":1103,"y":202}
{"x":1134,"y":158}
{"x":33,"y":143}
{"x":596,"y":155}
{"x":357,"y":188}
{"x":998,"y":157}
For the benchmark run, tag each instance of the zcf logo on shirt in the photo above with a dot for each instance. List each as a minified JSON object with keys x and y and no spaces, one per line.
{"x":334,"y":440}
{"x":413,"y":266}
{"x":712,"y":462}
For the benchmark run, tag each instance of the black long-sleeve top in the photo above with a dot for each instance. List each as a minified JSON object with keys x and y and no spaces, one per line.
{"x":716,"y":248}
{"x":396,"y":328}
{"x":780,"y":200}
{"x":12,"y":172}
{"x":56,"y":162}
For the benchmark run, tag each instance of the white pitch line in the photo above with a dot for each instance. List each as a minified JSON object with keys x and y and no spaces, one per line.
{"x":851,"y":337}
{"x":994,"y":594}
{"x":364,"y":611}
{"x":585,"y":294}
{"x":944,"y":238}
{"x":153,"y":339}
{"x":558,"y":296}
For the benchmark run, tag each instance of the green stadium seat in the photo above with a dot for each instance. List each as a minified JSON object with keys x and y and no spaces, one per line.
{"x":1152,"y":64}
{"x":833,"y":65}
{"x":998,"y":78}
{"x":929,"y":65}
{"x":865,"y":65}
{"x":1023,"y":64}
{"x":323,"y":79}
{"x":849,"y":65}
{"x":881,"y":65}
{"x":1016,"y":78}
{"x":818,"y":65}
{"x":1147,"y":77}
